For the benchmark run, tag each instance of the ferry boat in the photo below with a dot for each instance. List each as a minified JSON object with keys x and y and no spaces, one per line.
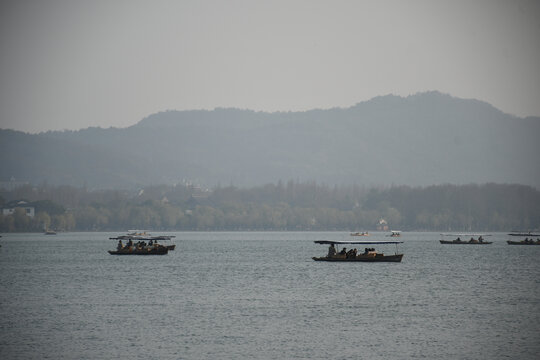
{"x":138,"y":235}
{"x":472,"y":241}
{"x":368,"y":255}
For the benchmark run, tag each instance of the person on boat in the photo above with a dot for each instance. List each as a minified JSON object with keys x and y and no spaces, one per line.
{"x":343,"y":251}
{"x":458,"y":239}
{"x":119,"y":246}
{"x":331,"y":250}
{"x":480,"y":239}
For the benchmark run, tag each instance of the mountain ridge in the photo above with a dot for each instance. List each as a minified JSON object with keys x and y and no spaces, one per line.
{"x":422,"y":139}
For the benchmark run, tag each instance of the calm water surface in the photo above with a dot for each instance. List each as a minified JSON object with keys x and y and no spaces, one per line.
{"x":243,"y":295}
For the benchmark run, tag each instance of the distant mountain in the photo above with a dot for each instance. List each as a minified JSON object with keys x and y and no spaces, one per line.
{"x":424,"y":139}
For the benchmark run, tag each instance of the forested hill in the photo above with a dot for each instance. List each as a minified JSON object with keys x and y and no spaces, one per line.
{"x":290,"y":206}
{"x":425,"y":139}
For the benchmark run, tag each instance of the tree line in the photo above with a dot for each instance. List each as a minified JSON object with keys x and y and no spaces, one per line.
{"x":281,"y":206}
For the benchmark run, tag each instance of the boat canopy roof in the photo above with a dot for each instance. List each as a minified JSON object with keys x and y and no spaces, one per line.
{"x":523,"y":234}
{"x":466,"y":235}
{"x":356,"y":242}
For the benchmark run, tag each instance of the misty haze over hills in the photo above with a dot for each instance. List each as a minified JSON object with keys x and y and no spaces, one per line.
{"x":424,"y":139}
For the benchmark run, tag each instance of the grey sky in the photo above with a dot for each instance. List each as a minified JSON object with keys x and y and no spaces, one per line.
{"x":68,"y":64}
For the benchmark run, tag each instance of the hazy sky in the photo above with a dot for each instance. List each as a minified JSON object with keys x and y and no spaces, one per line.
{"x":74,"y":64}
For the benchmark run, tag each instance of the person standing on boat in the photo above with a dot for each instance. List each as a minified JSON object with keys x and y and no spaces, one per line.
{"x":331,"y":250}
{"x":119,"y":246}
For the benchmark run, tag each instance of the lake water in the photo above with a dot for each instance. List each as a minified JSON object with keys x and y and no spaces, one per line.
{"x":244,"y":295}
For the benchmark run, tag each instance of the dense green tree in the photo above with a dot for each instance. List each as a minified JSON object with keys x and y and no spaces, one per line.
{"x":294,"y":206}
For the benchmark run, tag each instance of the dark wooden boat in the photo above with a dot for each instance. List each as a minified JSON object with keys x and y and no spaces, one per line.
{"x":475,"y":242}
{"x":472,"y":241}
{"x":379,"y":257}
{"x":369,"y":255}
{"x":148,"y":250}
{"x":525,"y":241}
{"x":136,"y":235}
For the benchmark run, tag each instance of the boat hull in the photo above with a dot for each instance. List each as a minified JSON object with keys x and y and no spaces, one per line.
{"x":154,"y":251}
{"x":465,"y":242}
{"x":360,"y":258}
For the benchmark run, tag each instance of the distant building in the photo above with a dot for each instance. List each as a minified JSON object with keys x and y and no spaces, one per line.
{"x":12,"y":184}
{"x":199,"y":193}
{"x":382,"y":225}
{"x":10,"y":209}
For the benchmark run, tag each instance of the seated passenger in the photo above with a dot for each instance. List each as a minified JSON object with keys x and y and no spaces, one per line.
{"x":343,"y":251}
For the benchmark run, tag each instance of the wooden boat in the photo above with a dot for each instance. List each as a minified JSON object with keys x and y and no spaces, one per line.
{"x":146,"y":250}
{"x":525,"y":241}
{"x":360,"y":233}
{"x":369,"y":254}
{"x":472,"y":241}
{"x":135,"y":235}
{"x":523,"y":234}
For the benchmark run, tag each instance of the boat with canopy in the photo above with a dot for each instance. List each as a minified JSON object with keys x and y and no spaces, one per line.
{"x":474,"y":239}
{"x":144,"y":236}
{"x":368,"y":255}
